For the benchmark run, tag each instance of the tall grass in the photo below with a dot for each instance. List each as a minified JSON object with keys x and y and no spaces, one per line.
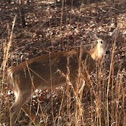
{"x":105,"y":106}
{"x":6,"y":48}
{"x":100,"y":100}
{"x":3,"y":67}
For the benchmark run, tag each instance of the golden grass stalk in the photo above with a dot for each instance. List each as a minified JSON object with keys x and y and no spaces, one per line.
{"x":7,"y":48}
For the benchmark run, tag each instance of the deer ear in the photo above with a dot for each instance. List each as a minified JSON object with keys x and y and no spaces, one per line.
{"x":115,"y":33}
{"x":93,"y":36}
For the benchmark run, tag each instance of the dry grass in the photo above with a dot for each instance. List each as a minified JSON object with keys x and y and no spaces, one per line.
{"x":105,"y":107}
{"x":104,"y":104}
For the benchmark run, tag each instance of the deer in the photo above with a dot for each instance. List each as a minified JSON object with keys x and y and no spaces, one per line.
{"x":45,"y":72}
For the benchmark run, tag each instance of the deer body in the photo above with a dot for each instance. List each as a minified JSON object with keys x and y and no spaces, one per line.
{"x":45,"y":72}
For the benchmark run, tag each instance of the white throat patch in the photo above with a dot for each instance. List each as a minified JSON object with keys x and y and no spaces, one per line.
{"x":99,"y":51}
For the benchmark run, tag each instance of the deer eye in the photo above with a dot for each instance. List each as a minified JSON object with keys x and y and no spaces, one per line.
{"x":101,"y":41}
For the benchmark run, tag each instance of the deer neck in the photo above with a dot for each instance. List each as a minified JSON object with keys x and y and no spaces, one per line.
{"x":97,"y":52}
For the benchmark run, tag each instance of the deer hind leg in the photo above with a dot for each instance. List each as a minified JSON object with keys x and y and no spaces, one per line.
{"x":16,"y":107}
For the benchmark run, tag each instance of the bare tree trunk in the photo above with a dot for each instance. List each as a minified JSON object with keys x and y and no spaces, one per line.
{"x":9,"y":1}
{"x":21,"y":4}
{"x":22,"y":15}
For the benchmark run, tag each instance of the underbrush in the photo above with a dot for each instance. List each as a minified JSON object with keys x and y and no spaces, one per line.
{"x":100,"y":100}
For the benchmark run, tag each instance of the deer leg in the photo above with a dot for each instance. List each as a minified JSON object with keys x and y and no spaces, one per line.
{"x":16,"y":107}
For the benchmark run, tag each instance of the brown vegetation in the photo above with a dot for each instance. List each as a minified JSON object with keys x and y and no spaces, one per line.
{"x":53,"y":28}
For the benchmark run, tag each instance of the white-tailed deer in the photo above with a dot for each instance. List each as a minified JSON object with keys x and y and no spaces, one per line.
{"x":43,"y":73}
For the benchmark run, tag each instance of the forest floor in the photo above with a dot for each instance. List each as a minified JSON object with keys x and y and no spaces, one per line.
{"x":54,"y":28}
